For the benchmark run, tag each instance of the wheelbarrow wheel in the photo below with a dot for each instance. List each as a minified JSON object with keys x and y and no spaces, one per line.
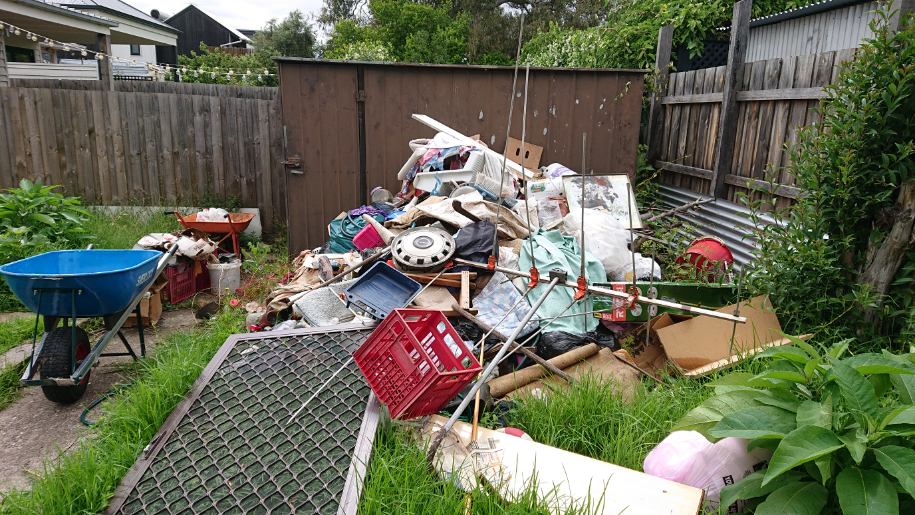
{"x":55,"y":363}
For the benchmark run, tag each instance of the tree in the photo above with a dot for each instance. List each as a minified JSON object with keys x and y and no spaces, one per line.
{"x":292,"y":37}
{"x":404,"y":31}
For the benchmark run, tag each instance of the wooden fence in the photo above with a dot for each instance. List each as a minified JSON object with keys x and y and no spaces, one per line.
{"x":725,"y":131}
{"x":148,"y":143}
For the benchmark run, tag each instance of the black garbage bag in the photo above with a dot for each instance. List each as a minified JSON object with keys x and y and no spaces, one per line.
{"x":554,"y":343}
{"x":474,"y":242}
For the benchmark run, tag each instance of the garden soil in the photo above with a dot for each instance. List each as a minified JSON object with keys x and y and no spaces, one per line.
{"x":33,"y":429}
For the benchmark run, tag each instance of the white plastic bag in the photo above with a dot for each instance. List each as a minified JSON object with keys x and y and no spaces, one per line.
{"x":212,"y":214}
{"x":609,"y":243}
{"x":687,"y":457}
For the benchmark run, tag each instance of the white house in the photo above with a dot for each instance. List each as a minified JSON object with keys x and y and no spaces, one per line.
{"x":48,"y":38}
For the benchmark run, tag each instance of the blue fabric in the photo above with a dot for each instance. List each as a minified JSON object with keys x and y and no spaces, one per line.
{"x":552,"y":250}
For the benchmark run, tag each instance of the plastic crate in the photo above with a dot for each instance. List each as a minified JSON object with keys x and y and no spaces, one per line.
{"x":415,"y":362}
{"x":182,"y":284}
{"x":381,"y":290}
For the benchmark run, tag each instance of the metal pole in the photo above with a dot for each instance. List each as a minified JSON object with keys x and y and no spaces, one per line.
{"x":490,"y":368}
{"x":618,"y":294}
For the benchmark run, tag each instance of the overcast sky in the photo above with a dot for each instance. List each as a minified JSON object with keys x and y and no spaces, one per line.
{"x":240,"y":14}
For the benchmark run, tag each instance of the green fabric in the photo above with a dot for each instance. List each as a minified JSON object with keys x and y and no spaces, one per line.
{"x":552,"y":250}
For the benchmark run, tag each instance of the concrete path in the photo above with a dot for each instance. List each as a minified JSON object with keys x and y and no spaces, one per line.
{"x":34,"y":429}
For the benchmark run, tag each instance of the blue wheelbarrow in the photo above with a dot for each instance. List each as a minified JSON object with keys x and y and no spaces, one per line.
{"x":65,"y":285}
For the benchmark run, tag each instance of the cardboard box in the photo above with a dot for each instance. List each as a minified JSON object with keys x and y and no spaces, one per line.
{"x":531,"y":157}
{"x":150,"y":308}
{"x":701,"y":345}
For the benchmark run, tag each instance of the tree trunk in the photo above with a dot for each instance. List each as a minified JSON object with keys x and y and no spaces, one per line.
{"x":884,"y":259}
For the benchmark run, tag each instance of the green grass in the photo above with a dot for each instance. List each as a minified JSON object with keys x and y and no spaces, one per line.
{"x":84,"y":480}
{"x":591,"y":419}
{"x":16,"y":331}
{"x":399,"y":482}
{"x":9,"y":383}
{"x":121,"y":230}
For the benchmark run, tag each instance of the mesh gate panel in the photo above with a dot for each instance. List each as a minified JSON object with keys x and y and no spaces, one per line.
{"x":235,"y":451}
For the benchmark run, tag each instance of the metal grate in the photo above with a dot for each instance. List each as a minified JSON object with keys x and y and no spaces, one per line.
{"x":229,"y":446}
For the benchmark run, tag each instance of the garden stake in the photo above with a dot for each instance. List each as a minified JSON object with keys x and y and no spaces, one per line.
{"x":555,"y":278}
{"x":618,"y":294}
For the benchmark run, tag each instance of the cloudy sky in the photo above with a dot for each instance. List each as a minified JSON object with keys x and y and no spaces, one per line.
{"x":241,"y":14}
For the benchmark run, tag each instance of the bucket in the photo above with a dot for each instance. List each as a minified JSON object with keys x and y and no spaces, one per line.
{"x":708,"y":254}
{"x":225,"y":278}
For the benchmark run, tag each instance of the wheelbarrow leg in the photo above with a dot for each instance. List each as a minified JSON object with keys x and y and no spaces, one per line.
{"x":140,"y":332}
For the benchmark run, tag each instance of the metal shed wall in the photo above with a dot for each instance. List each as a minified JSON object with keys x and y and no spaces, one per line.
{"x":837,"y":29}
{"x":349,"y":124}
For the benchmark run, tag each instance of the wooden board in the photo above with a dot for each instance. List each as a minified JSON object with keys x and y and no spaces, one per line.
{"x":512,"y":465}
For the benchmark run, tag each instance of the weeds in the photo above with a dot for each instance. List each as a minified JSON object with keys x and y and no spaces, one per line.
{"x":400,"y":482}
{"x":9,"y":383}
{"x":122,"y":229}
{"x":16,"y":331}
{"x":591,"y":419}
{"x":84,"y":480}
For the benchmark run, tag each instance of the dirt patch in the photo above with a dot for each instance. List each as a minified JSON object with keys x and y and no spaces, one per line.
{"x":33,"y":429}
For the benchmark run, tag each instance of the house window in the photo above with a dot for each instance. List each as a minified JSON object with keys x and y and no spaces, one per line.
{"x":134,"y":49}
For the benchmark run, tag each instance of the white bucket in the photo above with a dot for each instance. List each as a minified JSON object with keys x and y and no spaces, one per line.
{"x":225,"y":278}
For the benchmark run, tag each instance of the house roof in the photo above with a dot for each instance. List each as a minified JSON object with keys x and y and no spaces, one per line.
{"x":60,"y":9}
{"x":236,"y":32}
{"x":800,"y":12}
{"x":120,"y":8}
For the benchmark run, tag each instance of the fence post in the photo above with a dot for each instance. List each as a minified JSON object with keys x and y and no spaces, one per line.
{"x":105,"y":71}
{"x":900,"y":8}
{"x":4,"y":74}
{"x":733,"y":77}
{"x":660,"y":76}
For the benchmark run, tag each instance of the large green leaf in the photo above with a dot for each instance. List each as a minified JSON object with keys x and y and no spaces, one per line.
{"x":856,"y":443}
{"x":751,"y":487}
{"x":905,"y":387}
{"x":800,"y":446}
{"x":812,"y":413}
{"x":707,"y":414}
{"x":785,"y":352}
{"x":858,"y":393}
{"x":900,"y":463}
{"x":755,"y":422}
{"x":797,"y":498}
{"x":872,"y":363}
{"x":899,"y":415}
{"x":783,"y":399}
{"x":866,"y":492}
{"x":43,"y":218}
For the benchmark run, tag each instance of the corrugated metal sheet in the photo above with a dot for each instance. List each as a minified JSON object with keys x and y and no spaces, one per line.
{"x":726,"y":220}
{"x":836,"y":29}
{"x":350,"y":123}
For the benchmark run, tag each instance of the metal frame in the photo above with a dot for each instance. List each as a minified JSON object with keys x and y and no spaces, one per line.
{"x":356,"y":474}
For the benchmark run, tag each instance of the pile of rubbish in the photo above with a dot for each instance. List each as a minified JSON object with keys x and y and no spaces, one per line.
{"x":488,"y":276}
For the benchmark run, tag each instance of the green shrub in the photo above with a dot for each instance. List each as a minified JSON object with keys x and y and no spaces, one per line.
{"x":628,"y":38}
{"x":840,"y":429}
{"x":35,"y":218}
{"x":850,"y":167}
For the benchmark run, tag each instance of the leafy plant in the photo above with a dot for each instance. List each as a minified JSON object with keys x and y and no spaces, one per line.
{"x":35,"y":218}
{"x":839,"y":427}
{"x":851,"y":167}
{"x":628,"y":37}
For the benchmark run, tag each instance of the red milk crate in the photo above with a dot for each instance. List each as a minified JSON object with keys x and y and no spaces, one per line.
{"x":415,"y":362}
{"x":181,"y":281}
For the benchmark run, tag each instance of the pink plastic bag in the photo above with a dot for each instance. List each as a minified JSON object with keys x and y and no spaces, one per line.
{"x":687,"y":457}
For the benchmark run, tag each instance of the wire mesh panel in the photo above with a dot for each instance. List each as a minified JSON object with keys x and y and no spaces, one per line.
{"x":230,"y":446}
